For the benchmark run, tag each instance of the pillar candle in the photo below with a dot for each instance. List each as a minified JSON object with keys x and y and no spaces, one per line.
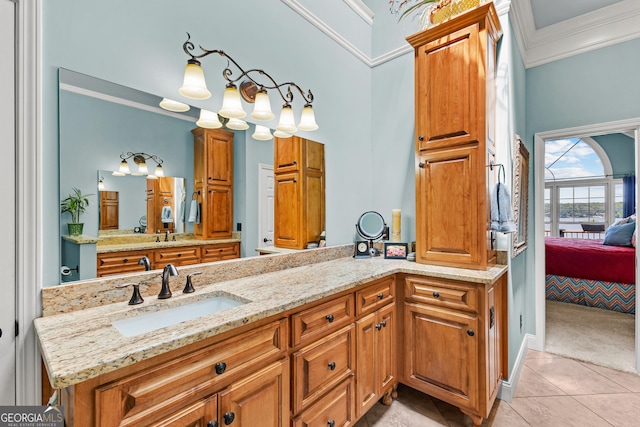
{"x":395,"y":225}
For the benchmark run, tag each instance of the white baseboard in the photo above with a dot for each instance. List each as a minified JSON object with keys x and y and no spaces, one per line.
{"x":508,"y":389}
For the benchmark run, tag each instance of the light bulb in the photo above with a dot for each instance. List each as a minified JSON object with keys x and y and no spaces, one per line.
{"x":231,"y":104}
{"x":194,"y":85}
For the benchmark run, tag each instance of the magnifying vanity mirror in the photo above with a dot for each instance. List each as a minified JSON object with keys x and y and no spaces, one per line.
{"x":371,"y":226}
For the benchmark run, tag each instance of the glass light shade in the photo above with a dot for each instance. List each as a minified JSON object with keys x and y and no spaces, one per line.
{"x":124,"y":168}
{"x":152,"y":177}
{"x":194,"y":85}
{"x":101,"y":185}
{"x":280,"y":134}
{"x":237,"y":124}
{"x":262,"y":133}
{"x":287,"y":121}
{"x":159,"y":171}
{"x":118,"y":173}
{"x":307,"y":119}
{"x":209,"y":120}
{"x":262,"y":107}
{"x":231,"y":104}
{"x":142,"y":168}
{"x":171,"y":105}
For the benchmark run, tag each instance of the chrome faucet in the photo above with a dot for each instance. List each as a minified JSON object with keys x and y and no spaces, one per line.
{"x":169,"y":270}
{"x":166,"y":236}
{"x":145,"y":261}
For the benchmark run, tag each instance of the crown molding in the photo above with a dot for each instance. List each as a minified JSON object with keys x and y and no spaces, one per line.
{"x":362,"y":10}
{"x":607,"y":26}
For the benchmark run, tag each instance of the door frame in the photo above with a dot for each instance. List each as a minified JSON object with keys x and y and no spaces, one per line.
{"x":539,"y":254}
{"x":262,"y":167}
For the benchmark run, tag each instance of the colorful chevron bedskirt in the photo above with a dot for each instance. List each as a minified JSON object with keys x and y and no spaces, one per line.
{"x":592,"y":293}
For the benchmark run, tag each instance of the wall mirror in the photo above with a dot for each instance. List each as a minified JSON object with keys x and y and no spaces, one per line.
{"x":100,"y":120}
{"x":520,"y":195}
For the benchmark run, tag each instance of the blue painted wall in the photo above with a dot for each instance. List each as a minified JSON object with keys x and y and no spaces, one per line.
{"x":620,"y":150}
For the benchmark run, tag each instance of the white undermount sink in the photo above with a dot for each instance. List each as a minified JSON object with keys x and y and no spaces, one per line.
{"x":149,"y":322}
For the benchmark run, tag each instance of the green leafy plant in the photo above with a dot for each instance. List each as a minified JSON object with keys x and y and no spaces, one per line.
{"x":415,"y":7}
{"x":76,"y":203}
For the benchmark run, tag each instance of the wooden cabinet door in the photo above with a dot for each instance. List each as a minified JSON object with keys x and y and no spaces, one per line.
{"x":452,"y":211}
{"x":219,"y":211}
{"x":109,"y":210}
{"x":287,"y":211}
{"x":199,"y":414}
{"x":448,"y":92}
{"x":261,"y":399}
{"x":386,"y":347}
{"x":313,"y":212}
{"x":441,"y":353}
{"x":219,"y":152}
{"x":334,"y":409}
{"x":287,"y":154}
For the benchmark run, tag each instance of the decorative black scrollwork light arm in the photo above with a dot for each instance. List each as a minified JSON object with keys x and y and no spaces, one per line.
{"x":137,"y":157}
{"x":227,"y":73}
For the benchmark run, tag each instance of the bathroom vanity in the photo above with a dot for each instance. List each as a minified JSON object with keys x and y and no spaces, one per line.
{"x":317,"y":338}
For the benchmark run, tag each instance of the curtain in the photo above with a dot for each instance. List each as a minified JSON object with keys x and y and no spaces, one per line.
{"x":628,"y":195}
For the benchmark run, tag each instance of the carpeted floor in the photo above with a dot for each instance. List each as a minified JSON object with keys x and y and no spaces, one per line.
{"x":601,"y":337}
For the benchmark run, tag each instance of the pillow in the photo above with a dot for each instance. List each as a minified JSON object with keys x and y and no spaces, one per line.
{"x":626,"y":220}
{"x":619,"y":235}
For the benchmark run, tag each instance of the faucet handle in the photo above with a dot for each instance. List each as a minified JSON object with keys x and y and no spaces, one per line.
{"x":136,"y":298}
{"x":188,"y":288}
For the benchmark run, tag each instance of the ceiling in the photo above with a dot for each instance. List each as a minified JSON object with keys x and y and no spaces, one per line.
{"x":548,"y":30}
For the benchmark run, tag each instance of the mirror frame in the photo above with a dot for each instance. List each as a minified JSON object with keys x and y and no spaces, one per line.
{"x":520,"y":196}
{"x":366,"y":235}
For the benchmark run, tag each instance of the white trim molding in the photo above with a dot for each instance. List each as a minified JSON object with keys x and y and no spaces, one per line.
{"x":362,"y":10}
{"x":29,"y":254}
{"x":607,"y":26}
{"x":508,"y":389}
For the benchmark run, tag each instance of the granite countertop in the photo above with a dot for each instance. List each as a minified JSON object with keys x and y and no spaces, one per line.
{"x":84,"y":344}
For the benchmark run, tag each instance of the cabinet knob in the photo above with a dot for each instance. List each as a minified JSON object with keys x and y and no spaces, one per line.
{"x":295,"y":162}
{"x":332,"y":366}
{"x":421,"y":165}
{"x":470,"y":332}
{"x":329,"y":318}
{"x":221,"y":367}
{"x":436,"y":294}
{"x":125,"y":260}
{"x":179,"y":255}
{"x":331,"y":423}
{"x":212,"y":424}
{"x":380,"y":296}
{"x":421,"y":138}
{"x":379,"y":326}
{"x":229,"y":417}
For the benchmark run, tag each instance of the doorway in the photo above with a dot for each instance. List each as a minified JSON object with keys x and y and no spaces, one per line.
{"x":539,"y":216}
{"x":265,"y":205}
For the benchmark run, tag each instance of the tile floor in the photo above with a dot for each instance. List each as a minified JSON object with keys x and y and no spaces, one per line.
{"x":553,"y":391}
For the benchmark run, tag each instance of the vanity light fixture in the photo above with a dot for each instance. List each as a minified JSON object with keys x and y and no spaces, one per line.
{"x":171,"y":105}
{"x":139,"y":159}
{"x":208,"y":120}
{"x":262,"y":133}
{"x":237,"y":124}
{"x":101,"y":184}
{"x":251,"y":90}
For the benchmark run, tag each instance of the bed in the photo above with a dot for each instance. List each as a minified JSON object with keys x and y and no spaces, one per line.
{"x":586,"y":272}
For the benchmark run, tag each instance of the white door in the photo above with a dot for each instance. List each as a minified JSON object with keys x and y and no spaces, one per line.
{"x":7,"y":216}
{"x":265,"y":205}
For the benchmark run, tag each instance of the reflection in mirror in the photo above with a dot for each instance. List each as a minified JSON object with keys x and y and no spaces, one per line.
{"x":520,"y":195}
{"x":124,"y":209}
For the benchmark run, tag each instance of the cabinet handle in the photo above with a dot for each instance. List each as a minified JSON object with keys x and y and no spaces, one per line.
{"x":179,"y":255}
{"x":421,"y":165}
{"x":125,"y":260}
{"x":332,"y":366}
{"x":380,"y":296}
{"x":329,"y":317}
{"x":436,"y":294}
{"x":212,"y":424}
{"x":492,"y":317}
{"x":421,"y":138}
{"x":470,"y":332}
{"x":331,"y":423}
{"x":379,"y":326}
{"x":221,"y":367}
{"x":229,"y":417}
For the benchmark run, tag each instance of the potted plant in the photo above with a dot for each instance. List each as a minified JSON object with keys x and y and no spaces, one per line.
{"x":76,"y":203}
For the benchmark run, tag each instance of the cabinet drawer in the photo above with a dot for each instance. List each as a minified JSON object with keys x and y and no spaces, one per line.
{"x":375,"y":296}
{"x":441,"y":292}
{"x":121,"y":262}
{"x":321,"y":365}
{"x":178,"y":256}
{"x":212,"y":253}
{"x":310,"y":324}
{"x":154,"y":393}
{"x":336,"y":406}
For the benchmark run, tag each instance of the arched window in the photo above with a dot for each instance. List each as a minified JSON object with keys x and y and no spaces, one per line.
{"x":579,"y":188}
